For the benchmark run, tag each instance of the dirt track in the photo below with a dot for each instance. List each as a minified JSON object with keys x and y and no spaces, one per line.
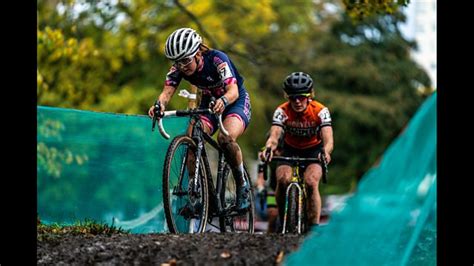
{"x":157,"y":249}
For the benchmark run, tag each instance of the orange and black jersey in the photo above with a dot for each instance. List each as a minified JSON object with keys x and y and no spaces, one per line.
{"x":302,"y":129}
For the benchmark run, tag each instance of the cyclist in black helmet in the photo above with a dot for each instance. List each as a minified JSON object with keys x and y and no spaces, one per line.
{"x":306,"y":125}
{"x":216,"y":76}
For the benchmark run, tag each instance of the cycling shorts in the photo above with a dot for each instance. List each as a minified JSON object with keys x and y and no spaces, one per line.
{"x":289,"y":151}
{"x":240,"y":109}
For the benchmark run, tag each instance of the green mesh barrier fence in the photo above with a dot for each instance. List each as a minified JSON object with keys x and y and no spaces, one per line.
{"x":391,"y":219}
{"x":101,"y":166}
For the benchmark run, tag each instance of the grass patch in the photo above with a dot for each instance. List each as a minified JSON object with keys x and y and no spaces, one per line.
{"x":86,"y":227}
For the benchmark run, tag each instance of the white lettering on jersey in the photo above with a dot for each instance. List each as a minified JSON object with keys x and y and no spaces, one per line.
{"x":279,"y":117}
{"x":325,"y":116}
{"x":224,"y":71}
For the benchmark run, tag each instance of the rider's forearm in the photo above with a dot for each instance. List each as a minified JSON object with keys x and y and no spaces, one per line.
{"x":328,"y":140}
{"x":232,"y":93}
{"x":272,"y":143}
{"x":166,"y":95}
{"x":275,"y":132}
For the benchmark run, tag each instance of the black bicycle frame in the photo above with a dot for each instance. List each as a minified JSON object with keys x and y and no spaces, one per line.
{"x":198,"y":135}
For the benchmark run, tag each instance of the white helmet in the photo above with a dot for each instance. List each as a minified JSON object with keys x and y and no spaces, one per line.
{"x":182,"y":43}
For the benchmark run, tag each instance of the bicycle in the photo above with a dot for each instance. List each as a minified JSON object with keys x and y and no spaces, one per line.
{"x":191,"y":201}
{"x":294,"y":218}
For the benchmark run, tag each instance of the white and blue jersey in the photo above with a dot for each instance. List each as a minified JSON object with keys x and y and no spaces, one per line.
{"x":216,"y":72}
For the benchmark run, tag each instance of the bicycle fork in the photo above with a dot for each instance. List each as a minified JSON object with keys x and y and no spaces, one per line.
{"x":195,"y":182}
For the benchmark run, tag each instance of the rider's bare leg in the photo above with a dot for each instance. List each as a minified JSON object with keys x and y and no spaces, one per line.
{"x":232,"y":152}
{"x":312,"y":176}
{"x":283,"y":175}
{"x":235,"y":127}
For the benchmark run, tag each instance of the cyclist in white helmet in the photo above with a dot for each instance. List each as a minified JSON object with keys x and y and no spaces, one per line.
{"x":214,"y":73}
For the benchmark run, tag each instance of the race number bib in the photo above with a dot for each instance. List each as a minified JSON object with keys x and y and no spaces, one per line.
{"x":279,"y":117}
{"x":224,"y":71}
{"x":325,"y":116}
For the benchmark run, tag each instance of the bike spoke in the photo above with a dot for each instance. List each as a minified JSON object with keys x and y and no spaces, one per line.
{"x":183,"y":209}
{"x":238,"y":222}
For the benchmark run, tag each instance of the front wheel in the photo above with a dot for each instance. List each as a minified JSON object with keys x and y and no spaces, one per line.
{"x":293,"y":209}
{"x":242,"y":222}
{"x":186,"y":212}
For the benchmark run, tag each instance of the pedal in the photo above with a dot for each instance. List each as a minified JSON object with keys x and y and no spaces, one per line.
{"x":186,"y":212}
{"x":189,"y":212}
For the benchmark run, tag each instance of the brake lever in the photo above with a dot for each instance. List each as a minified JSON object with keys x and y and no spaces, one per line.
{"x":212,"y":102}
{"x":154,"y":123}
{"x":156,"y":114}
{"x":267,"y":154}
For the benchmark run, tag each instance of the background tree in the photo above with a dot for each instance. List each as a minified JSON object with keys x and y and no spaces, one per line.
{"x":360,"y":9}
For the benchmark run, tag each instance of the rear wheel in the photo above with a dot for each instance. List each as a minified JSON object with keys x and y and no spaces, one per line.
{"x":244,"y":221}
{"x":185,"y":212}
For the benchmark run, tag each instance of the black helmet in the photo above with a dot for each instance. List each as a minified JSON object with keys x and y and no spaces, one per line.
{"x":298,"y":83}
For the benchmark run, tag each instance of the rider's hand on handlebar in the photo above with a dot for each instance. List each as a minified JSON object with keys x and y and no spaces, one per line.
{"x":326,"y":155}
{"x":267,"y":155}
{"x":219,"y":106}
{"x":156,"y":112}
{"x":151,"y":111}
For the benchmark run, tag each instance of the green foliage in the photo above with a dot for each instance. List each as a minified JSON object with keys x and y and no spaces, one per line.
{"x":51,"y":159}
{"x":360,"y":9}
{"x":109,"y":57}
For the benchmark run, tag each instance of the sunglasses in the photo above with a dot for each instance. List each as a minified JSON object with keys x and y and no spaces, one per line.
{"x":299,"y":97}
{"x":184,"y":61}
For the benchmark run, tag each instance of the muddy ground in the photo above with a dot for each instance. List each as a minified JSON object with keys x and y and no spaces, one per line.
{"x":158,"y":249}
